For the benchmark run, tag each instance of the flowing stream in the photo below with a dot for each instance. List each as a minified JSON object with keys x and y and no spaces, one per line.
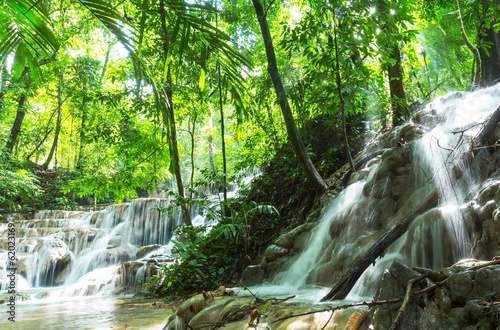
{"x":65,"y":259}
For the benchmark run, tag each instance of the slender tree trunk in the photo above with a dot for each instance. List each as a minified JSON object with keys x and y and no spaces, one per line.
{"x":16,"y":128}
{"x":192,"y":149}
{"x":83,"y":127}
{"x":171,"y":120}
{"x":474,"y":50}
{"x":339,"y":90}
{"x":3,"y":83}
{"x":105,"y":66}
{"x":312,"y":174}
{"x":273,"y":128}
{"x":53,"y":149}
{"x":60,"y":90}
{"x":48,"y":130}
{"x":211,"y":142}
{"x":221,"y":107}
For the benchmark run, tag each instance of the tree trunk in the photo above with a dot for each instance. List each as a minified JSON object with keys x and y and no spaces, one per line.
{"x":195,"y":116}
{"x":339,"y":90}
{"x":490,"y":62}
{"x":349,"y":278}
{"x":474,"y":50}
{"x":224,"y":165}
{"x":48,"y":130}
{"x":398,"y":95}
{"x":105,"y":66}
{"x":399,"y":104}
{"x":3,"y":83}
{"x":53,"y":151}
{"x":18,"y":122}
{"x":171,"y":120}
{"x":312,"y":174}
{"x":273,"y":128}
{"x":210,"y":140}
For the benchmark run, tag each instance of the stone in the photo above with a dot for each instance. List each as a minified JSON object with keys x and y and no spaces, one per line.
{"x":252,"y":275}
{"x":393,"y":285}
{"x":460,"y":285}
{"x":274,"y":252}
{"x":486,"y":283}
{"x":143,"y":250}
{"x":287,"y":240}
{"x":486,"y":211}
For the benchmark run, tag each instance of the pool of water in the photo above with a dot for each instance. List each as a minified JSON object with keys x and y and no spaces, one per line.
{"x":84,"y":313}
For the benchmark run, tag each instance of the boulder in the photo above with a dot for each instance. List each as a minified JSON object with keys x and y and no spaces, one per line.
{"x":252,"y":275}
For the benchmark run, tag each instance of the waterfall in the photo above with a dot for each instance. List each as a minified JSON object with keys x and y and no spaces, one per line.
{"x":419,"y":159}
{"x":83,"y":251}
{"x":114,"y":250}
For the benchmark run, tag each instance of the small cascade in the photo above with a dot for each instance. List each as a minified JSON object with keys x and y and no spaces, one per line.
{"x":339,"y":209}
{"x":111,"y":251}
{"x":83,"y":251}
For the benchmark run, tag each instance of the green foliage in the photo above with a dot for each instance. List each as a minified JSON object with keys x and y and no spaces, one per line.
{"x":19,"y":187}
{"x":208,"y":259}
{"x":25,"y":28}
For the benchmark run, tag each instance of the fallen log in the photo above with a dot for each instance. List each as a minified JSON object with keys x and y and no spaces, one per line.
{"x":349,"y":278}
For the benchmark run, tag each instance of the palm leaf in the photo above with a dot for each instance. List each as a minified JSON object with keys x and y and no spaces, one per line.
{"x":25,"y":31}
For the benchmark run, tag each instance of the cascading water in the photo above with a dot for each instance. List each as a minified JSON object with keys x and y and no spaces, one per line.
{"x":419,"y":158}
{"x":59,"y":248}
{"x":75,"y":253}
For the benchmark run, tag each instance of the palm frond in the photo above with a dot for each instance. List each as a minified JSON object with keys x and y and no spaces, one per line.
{"x":25,"y":31}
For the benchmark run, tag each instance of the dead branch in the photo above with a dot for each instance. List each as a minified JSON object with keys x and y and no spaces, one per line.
{"x":402,"y":309}
{"x":493,"y":262}
{"x":437,"y":140}
{"x":331,"y":315}
{"x":365,"y":303}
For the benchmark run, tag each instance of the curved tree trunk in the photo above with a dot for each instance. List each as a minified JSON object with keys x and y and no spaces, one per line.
{"x":312,"y":174}
{"x":171,"y":120}
{"x":60,"y":90}
{"x":18,"y":122}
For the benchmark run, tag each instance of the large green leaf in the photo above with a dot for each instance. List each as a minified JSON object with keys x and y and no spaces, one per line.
{"x":25,"y":31}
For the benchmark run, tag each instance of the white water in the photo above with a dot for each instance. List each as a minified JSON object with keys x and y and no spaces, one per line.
{"x":74,"y":253}
{"x":436,"y":238}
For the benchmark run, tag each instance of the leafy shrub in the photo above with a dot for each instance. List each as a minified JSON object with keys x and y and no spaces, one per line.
{"x":208,"y":259}
{"x":19,"y":188}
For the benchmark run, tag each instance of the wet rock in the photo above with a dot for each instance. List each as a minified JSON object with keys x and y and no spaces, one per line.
{"x":287,"y":240}
{"x":274,"y":267}
{"x":460,"y":286}
{"x":192,"y":307}
{"x":393,"y":285}
{"x":274,"y":252}
{"x":146,"y":249}
{"x":486,"y":211}
{"x":252,"y":275}
{"x":486,"y":283}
